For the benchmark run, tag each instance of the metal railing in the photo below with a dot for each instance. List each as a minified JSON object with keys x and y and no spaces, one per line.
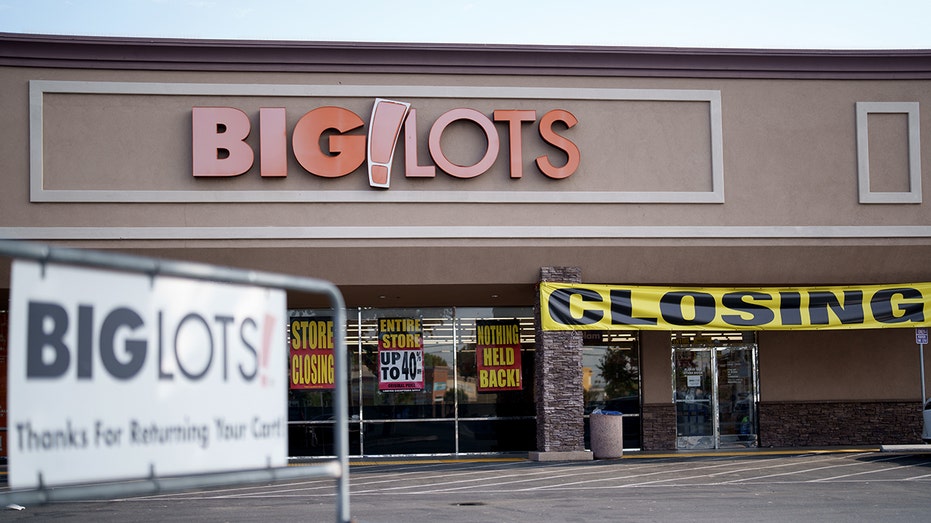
{"x":337,"y":468}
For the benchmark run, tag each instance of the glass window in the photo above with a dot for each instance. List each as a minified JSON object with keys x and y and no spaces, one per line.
{"x":310,"y":411}
{"x":316,"y":404}
{"x":435,"y":398}
{"x":448,"y":407}
{"x":478,"y":401}
{"x":497,"y":435}
{"x":611,"y":379}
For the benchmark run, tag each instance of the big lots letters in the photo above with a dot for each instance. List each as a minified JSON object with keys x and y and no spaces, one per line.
{"x":220,"y":149}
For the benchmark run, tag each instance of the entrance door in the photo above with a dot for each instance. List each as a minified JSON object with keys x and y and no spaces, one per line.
{"x":715,"y":394}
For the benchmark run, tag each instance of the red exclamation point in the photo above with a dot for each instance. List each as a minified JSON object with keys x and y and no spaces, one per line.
{"x":267,"y":332}
{"x":384,"y":129}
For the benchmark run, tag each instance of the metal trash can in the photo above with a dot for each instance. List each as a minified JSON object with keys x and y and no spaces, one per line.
{"x":607,"y":434}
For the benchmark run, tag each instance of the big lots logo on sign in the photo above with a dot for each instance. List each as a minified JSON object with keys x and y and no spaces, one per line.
{"x":220,"y":149}
{"x":114,"y":375}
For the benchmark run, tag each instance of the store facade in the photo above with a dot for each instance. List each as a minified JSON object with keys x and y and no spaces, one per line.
{"x":438,"y":186}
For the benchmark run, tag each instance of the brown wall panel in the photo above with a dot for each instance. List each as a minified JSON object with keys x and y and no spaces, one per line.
{"x":839,"y":365}
{"x":656,"y":367}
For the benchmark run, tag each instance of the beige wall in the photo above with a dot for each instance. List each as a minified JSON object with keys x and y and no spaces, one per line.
{"x":791,"y":212}
{"x":839,"y":365}
{"x":812,"y":366}
{"x":790,"y":156}
{"x":789,"y":164}
{"x":656,"y":367}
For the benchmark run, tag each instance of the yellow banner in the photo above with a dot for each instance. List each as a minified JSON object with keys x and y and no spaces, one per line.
{"x":579,"y":306}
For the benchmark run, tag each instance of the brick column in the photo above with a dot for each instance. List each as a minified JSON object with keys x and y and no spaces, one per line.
{"x":558,"y":384}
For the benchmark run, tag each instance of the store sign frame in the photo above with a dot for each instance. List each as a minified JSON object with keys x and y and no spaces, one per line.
{"x":39,"y":192}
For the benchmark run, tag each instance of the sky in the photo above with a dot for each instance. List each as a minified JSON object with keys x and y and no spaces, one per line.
{"x":750,"y":24}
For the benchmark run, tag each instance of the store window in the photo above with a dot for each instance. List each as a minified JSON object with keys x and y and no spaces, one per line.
{"x":426,"y":381}
{"x":611,"y":379}
{"x":495,"y":406}
{"x":401,"y":413}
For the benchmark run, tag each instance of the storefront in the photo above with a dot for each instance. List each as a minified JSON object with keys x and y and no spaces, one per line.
{"x":439,"y":186}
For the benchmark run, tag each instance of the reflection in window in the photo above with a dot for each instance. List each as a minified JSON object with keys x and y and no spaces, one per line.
{"x":425,"y":420}
{"x":611,"y":372}
{"x":475,"y":404}
{"x":611,"y":379}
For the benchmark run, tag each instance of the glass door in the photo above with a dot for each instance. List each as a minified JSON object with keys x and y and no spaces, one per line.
{"x":715,"y":392}
{"x":694,"y":376}
{"x":736,"y":396}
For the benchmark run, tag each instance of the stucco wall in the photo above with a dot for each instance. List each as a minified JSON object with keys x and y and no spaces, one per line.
{"x":839,"y":365}
{"x":790,"y":212}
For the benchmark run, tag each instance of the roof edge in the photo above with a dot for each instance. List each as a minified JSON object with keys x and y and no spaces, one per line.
{"x":91,"y":52}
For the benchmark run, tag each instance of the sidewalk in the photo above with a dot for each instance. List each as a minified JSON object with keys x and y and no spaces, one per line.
{"x":639,"y":454}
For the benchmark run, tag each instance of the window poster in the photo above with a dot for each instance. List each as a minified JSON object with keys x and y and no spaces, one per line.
{"x":497,"y":355}
{"x":311,"y":355}
{"x":400,"y":355}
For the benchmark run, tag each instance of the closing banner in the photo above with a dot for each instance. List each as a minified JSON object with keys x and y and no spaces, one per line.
{"x":577,"y":306}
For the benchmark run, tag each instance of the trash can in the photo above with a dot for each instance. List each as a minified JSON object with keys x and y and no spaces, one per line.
{"x":607,"y":434}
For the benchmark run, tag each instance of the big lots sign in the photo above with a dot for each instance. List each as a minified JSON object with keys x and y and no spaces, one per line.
{"x":118,"y":375}
{"x":327,"y":141}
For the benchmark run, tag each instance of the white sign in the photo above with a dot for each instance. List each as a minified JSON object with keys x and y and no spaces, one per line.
{"x":400,"y":354}
{"x":115,"y":375}
{"x":400,"y":370}
{"x":921,"y":336}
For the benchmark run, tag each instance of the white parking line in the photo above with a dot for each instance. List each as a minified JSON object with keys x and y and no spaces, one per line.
{"x":757,"y":478}
{"x":680,"y":478}
{"x":834,"y":478}
{"x":543,"y":474}
{"x":517,"y":477}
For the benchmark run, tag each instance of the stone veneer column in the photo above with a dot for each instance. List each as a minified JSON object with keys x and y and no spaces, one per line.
{"x":558,"y":384}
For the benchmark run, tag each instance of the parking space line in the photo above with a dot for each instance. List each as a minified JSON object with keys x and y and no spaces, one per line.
{"x":833,"y":478}
{"x":419,"y":479}
{"x":807,"y":470}
{"x":543,"y":474}
{"x":691,"y":468}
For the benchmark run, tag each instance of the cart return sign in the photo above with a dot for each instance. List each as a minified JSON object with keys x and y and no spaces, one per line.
{"x":115,"y":375}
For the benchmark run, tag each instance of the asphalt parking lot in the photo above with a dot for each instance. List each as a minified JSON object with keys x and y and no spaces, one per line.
{"x":793,"y":486}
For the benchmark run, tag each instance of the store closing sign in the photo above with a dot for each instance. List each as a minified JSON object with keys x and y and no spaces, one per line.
{"x":118,"y":375}
{"x":400,"y":355}
{"x":311,"y":354}
{"x":614,"y":307}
